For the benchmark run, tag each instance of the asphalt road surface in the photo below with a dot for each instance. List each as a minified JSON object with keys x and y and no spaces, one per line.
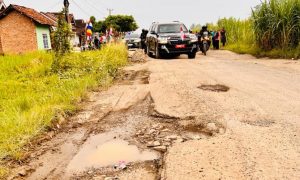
{"x":246,"y":127}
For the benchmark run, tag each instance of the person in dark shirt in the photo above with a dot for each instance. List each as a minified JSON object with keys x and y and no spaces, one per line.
{"x":223,"y":36}
{"x":143,"y":39}
{"x":216,"y":40}
{"x":97,"y":43}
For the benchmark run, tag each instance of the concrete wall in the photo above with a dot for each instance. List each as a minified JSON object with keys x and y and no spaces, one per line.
{"x":40,"y":30}
{"x":17,"y":34}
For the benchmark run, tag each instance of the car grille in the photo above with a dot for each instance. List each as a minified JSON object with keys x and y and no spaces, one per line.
{"x":175,"y":42}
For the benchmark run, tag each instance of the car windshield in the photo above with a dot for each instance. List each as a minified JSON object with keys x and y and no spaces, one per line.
{"x":171,"y":28}
{"x":132,"y":36}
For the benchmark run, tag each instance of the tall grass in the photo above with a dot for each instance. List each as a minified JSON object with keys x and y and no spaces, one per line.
{"x":32,"y":96}
{"x":273,"y":30}
{"x":277,"y":24}
{"x":238,"y":31}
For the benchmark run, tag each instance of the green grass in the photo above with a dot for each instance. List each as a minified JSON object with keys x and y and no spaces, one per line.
{"x":32,"y":96}
{"x":254,"y":50}
{"x":272,"y":31}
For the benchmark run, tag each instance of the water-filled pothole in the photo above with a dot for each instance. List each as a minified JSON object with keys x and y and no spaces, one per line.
{"x":214,"y":88}
{"x":103,"y":151}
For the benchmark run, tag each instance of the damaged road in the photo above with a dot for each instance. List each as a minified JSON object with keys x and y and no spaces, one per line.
{"x":223,"y":116}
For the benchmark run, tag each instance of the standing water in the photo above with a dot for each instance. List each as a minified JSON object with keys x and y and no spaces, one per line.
{"x":103,"y":151}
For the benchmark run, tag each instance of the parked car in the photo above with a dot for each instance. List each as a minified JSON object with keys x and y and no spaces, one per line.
{"x":171,"y":38}
{"x":132,"y":40}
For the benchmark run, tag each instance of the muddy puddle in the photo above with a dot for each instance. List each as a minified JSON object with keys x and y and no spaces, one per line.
{"x":104,"y":150}
{"x":214,"y":88}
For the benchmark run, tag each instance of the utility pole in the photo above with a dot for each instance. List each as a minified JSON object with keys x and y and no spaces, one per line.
{"x":110,"y":11}
{"x":66,"y":4}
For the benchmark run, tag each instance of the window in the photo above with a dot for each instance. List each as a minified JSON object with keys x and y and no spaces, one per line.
{"x":45,"y":41}
{"x":171,"y":28}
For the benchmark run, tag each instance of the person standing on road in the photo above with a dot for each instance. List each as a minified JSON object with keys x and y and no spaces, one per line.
{"x":213,"y":33}
{"x":143,"y":39}
{"x":97,"y":42}
{"x":223,"y":37}
{"x":216,"y":40}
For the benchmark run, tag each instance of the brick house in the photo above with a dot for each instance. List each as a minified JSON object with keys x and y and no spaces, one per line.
{"x":23,"y":29}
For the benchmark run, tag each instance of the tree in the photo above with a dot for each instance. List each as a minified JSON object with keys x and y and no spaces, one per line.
{"x":195,"y":27}
{"x":61,"y":39}
{"x":121,"y":23}
{"x":99,"y":26}
{"x":93,"y":19}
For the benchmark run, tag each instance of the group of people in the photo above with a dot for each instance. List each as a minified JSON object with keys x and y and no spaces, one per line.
{"x":216,"y":36}
{"x":94,"y":43}
{"x":100,"y":39}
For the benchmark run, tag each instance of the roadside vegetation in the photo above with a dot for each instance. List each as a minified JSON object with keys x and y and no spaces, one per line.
{"x":273,"y":30}
{"x":33,"y":95}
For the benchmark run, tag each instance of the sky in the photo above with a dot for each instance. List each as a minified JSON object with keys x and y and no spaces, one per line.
{"x":147,"y":11}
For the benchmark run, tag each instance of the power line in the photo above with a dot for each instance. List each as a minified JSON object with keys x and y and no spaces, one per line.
{"x":97,"y":10}
{"x":78,"y":6}
{"x":98,"y":1}
{"x":54,"y":5}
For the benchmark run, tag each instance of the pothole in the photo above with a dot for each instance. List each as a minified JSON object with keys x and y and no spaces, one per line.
{"x":196,"y":129}
{"x":261,"y":123}
{"x":133,"y":77}
{"x":103,"y":150}
{"x":214,"y":88}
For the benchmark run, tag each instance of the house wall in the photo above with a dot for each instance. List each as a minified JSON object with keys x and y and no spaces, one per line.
{"x":17,"y":34}
{"x":40,"y":30}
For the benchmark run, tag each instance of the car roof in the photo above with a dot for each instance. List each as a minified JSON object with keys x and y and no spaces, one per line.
{"x":174,"y":22}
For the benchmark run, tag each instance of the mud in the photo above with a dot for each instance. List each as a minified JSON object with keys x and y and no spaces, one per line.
{"x":104,"y":151}
{"x":214,"y":88}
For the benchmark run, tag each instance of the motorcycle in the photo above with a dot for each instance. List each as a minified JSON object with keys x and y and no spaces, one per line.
{"x":205,"y":43}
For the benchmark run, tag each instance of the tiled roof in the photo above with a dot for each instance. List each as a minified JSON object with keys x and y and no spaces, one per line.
{"x":31,"y":13}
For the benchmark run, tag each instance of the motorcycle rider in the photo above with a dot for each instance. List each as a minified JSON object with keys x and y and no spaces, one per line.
{"x":203,"y":31}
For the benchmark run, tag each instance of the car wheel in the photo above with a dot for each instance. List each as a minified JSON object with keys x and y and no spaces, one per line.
{"x":157,"y":54}
{"x":192,"y":55}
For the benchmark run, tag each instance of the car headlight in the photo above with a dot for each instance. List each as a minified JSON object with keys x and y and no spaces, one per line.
{"x":193,"y":38}
{"x":163,"y":40}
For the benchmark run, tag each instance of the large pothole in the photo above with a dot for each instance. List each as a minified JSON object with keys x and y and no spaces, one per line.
{"x":214,"y":88}
{"x":134,"y":139}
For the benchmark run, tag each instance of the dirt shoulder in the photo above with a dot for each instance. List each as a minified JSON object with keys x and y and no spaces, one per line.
{"x":168,"y":120}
